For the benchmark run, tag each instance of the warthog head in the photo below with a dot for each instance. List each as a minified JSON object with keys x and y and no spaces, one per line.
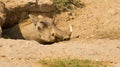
{"x":47,"y":30}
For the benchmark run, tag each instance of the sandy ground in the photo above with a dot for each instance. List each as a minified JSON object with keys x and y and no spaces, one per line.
{"x":96,"y":26}
{"x":22,"y":53}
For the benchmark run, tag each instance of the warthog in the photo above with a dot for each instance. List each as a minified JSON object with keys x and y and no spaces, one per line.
{"x":39,"y":28}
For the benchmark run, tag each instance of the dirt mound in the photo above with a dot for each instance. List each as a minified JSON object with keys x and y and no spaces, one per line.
{"x":99,"y":19}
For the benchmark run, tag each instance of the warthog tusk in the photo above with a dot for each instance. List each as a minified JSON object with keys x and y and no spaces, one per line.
{"x":54,"y":31}
{"x":71,"y":28}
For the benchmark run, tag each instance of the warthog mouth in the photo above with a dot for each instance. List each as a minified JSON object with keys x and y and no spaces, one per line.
{"x":61,"y":39}
{"x":56,"y":40}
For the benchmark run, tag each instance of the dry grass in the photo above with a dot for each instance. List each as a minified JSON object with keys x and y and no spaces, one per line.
{"x":66,"y":5}
{"x":71,"y":63}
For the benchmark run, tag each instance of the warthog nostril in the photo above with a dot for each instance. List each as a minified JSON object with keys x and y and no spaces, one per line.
{"x":66,"y":38}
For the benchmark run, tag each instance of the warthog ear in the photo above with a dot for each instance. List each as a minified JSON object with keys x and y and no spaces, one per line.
{"x":2,"y":4}
{"x":34,"y":18}
{"x":39,"y":22}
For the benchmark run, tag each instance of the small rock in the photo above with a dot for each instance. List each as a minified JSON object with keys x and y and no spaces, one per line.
{"x":1,"y":45}
{"x":3,"y":56}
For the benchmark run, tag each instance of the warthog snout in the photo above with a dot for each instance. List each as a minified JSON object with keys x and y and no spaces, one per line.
{"x":62,"y":35}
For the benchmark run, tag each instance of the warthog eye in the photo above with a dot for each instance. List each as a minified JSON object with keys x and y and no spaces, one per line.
{"x":43,"y":23}
{"x":53,"y":34}
{"x":38,"y":28}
